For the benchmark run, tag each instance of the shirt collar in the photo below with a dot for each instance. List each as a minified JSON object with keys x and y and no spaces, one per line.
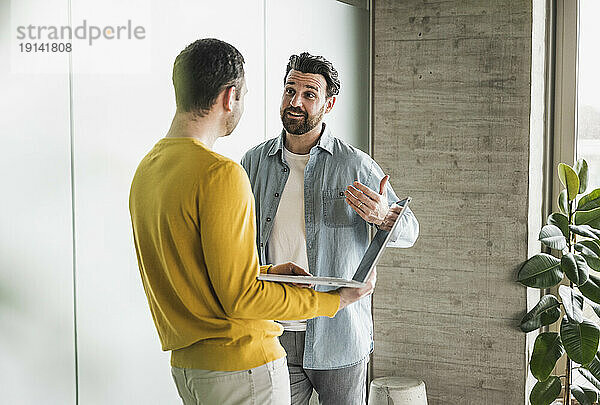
{"x":325,"y":142}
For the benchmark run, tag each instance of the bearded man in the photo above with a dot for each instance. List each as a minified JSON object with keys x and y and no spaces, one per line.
{"x":315,"y":201}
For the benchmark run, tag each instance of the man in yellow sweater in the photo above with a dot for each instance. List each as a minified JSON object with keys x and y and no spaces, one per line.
{"x":192,"y":212}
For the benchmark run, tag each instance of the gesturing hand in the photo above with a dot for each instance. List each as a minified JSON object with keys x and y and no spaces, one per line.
{"x":371,"y":207}
{"x":391,"y":217}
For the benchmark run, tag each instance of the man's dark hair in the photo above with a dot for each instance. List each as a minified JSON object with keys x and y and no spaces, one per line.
{"x":204,"y":69}
{"x":307,"y":63}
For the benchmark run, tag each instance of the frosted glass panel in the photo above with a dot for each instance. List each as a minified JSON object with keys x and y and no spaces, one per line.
{"x":37,"y":363}
{"x":123,"y":103}
{"x":340,"y":33}
{"x":118,"y":117}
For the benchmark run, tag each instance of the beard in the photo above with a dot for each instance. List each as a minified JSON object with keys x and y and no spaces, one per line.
{"x":233,"y":119}
{"x":303,"y":125}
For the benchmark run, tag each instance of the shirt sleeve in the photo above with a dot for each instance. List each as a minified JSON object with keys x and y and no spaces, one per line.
{"x":227,"y":226}
{"x":406,"y":233}
{"x":245,"y":163}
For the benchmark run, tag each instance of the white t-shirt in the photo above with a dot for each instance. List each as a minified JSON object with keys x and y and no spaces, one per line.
{"x":287,"y":242}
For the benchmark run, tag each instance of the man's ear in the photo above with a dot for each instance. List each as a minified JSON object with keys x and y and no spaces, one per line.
{"x":229,"y":97}
{"x":329,"y":104}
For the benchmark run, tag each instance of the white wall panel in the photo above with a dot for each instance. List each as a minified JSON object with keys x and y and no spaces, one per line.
{"x":36,"y":301}
{"x":118,"y":117}
{"x":340,"y":33}
{"x":123,"y":102}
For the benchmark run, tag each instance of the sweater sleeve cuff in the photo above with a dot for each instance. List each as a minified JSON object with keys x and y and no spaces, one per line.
{"x":265,"y":269}
{"x":329,"y":303}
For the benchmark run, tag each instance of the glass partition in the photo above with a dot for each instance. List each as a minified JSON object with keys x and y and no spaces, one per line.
{"x":74,"y":314}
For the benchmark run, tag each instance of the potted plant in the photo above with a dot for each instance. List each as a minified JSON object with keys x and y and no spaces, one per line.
{"x":573,"y":236}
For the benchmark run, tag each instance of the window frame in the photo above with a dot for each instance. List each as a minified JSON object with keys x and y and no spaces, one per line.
{"x":561,"y":106}
{"x":564,"y":131}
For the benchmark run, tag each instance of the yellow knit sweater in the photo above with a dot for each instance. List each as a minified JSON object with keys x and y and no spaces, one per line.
{"x":192,"y":212}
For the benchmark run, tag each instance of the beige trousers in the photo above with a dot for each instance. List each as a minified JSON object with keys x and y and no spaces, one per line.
{"x":268,"y":384}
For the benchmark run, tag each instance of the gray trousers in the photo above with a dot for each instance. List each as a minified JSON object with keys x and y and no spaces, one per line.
{"x":264,"y":385}
{"x":344,"y":386}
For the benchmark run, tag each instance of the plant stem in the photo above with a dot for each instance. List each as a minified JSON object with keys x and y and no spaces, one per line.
{"x":568,"y":376}
{"x":568,"y":383}
{"x":571,"y":235}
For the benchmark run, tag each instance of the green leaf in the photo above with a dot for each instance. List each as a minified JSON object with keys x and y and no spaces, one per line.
{"x":588,"y":248}
{"x":581,"y":168}
{"x":591,"y":289}
{"x":552,"y":236}
{"x":561,"y":221}
{"x":589,"y":376}
{"x":575,"y":267}
{"x":593,"y":368}
{"x":589,"y":201}
{"x":591,"y":218}
{"x":585,"y":396}
{"x":590,"y":251}
{"x":593,"y":262}
{"x":591,"y":372}
{"x":572,"y":303}
{"x":583,"y":230}
{"x":540,"y":271}
{"x":545,"y":312}
{"x":545,"y":392}
{"x":592,"y":394}
{"x":594,"y":306}
{"x":580,"y":340}
{"x":563,"y":202}
{"x":546,"y":352}
{"x":569,"y":179}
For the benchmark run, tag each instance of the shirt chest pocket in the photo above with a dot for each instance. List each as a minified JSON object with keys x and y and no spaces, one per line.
{"x":336,"y":211}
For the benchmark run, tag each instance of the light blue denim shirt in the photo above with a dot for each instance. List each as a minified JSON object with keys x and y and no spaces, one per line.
{"x":336,"y":237}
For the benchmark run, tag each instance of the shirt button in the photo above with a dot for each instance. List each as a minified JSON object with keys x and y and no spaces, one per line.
{"x":276,"y":194}
{"x":341,"y":193}
{"x":284,"y":169}
{"x":268,"y":219}
{"x":261,"y":244}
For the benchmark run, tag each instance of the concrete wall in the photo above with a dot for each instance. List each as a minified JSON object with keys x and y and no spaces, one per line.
{"x":452,"y":104}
